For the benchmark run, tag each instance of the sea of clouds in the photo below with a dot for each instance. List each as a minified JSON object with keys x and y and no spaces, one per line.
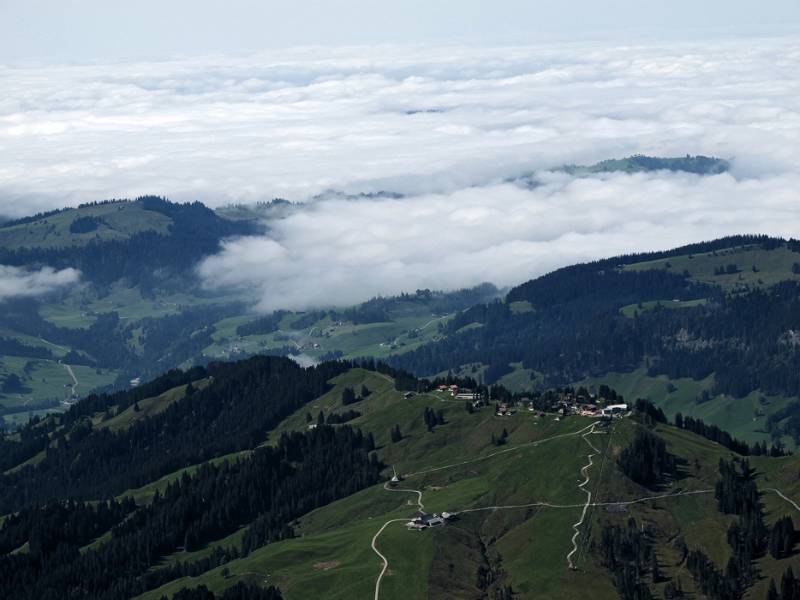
{"x":446,"y":126}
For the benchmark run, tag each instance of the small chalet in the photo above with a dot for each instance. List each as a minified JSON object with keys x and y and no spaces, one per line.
{"x":424,"y":521}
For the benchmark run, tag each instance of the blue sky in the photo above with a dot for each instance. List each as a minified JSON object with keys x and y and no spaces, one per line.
{"x":85,"y":30}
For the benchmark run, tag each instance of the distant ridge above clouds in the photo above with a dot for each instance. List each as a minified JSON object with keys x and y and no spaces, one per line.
{"x":412,"y":119}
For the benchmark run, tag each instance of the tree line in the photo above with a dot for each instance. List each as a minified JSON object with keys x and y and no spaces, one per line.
{"x":646,"y":460}
{"x":736,"y":493}
{"x":240,"y":591}
{"x":723,"y":438}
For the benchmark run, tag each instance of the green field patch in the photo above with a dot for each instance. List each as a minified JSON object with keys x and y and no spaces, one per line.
{"x":771,"y":266}
{"x":117,"y":221}
{"x":744,"y":418}
{"x":458,"y":469}
{"x":521,"y":307}
{"x":410,"y":326}
{"x":520,"y":379}
{"x":148,"y":407}
{"x":335,"y":565}
{"x":632,"y":309}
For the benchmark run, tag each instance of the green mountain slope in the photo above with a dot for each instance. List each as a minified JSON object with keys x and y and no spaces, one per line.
{"x":77,"y":227}
{"x":518,"y":504}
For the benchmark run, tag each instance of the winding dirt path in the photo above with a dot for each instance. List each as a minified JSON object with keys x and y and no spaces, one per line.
{"x":780,"y":493}
{"x":74,"y":379}
{"x":382,"y":557}
{"x":420,"y":505}
{"x":585,"y":471}
{"x":74,"y":385}
{"x":420,"y":508}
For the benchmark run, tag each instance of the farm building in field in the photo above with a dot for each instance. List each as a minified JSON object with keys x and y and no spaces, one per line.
{"x":613,"y":410}
{"x":424,"y":521}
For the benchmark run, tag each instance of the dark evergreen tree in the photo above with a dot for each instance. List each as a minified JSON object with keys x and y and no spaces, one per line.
{"x":646,"y":459}
{"x":781,"y":538}
{"x":395,"y":434}
{"x":772,"y":591}
{"x":626,"y":552}
{"x":430,"y":418}
{"x":789,"y":585}
{"x":348,"y":396}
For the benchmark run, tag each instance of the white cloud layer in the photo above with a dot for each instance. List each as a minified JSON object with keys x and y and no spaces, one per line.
{"x":294,"y":122}
{"x":345,"y":251}
{"x":445,"y":125}
{"x":21,"y":283}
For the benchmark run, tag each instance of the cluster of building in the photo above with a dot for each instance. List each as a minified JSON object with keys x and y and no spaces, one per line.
{"x":459,"y":393}
{"x":564,"y":403}
{"x":593,"y":410}
{"x":424,"y":520}
{"x":564,"y":409}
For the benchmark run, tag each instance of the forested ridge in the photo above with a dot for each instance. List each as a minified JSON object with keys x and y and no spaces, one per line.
{"x":264,"y":489}
{"x":148,"y":259}
{"x":272,"y":487}
{"x":574,"y":328}
{"x":242,"y":402}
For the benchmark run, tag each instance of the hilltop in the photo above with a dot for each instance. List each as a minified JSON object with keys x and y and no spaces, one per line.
{"x":638,"y":163}
{"x":533,"y":493}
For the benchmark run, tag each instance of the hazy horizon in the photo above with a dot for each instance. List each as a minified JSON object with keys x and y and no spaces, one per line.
{"x":92,"y":30}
